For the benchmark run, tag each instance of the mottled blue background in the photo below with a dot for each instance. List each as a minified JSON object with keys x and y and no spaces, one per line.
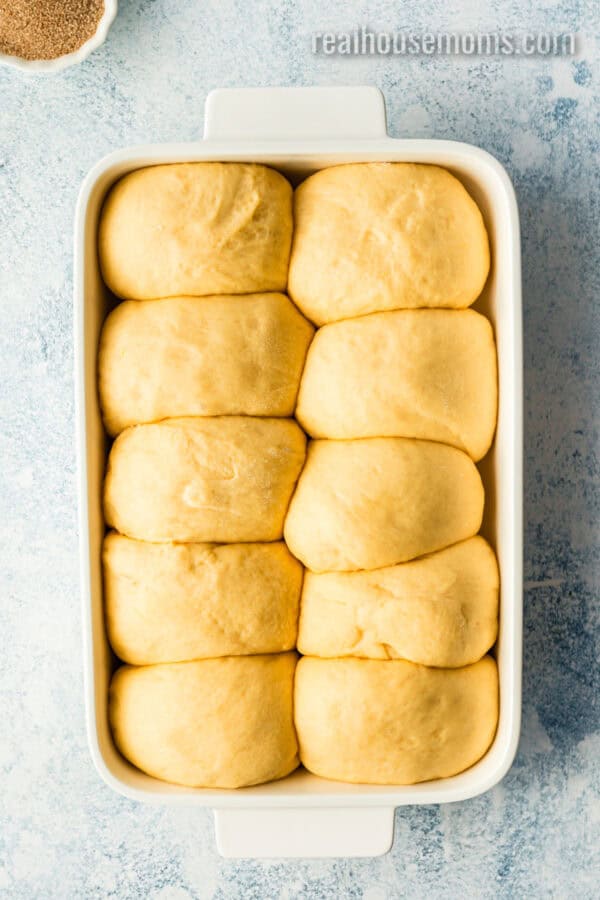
{"x":64,"y":834}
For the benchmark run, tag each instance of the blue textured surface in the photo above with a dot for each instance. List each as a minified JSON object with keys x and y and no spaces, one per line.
{"x":63,"y":833}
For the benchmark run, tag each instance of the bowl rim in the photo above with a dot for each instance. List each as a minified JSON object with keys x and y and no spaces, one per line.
{"x":51,"y":66}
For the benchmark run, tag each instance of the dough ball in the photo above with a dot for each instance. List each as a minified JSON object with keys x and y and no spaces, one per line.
{"x":221,"y":723}
{"x":412,"y":373}
{"x":196,"y":228}
{"x":393,"y":722}
{"x":224,"y":479}
{"x":376,"y":502}
{"x":172,"y":602}
{"x":440,"y":610}
{"x":208,"y":356}
{"x":376,"y":236}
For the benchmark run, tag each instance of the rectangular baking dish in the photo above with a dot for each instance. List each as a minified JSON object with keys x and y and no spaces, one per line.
{"x":298,"y":131}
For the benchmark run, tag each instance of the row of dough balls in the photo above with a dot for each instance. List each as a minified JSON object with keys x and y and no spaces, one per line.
{"x":169,"y":602}
{"x":231,"y":480}
{"x":345,"y":506}
{"x":425,"y":374}
{"x":366,"y":237}
{"x":244,"y":720}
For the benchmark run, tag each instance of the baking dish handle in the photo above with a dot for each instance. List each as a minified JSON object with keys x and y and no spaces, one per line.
{"x":299,"y":832}
{"x":298,"y":113}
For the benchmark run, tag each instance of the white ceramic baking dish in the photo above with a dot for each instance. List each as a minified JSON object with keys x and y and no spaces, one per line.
{"x":300,"y":130}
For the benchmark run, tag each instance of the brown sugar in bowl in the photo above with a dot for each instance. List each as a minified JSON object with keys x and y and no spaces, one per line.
{"x":49,"y":36}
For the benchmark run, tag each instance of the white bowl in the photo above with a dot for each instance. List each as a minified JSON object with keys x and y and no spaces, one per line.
{"x":50,"y":66}
{"x":301,"y":130}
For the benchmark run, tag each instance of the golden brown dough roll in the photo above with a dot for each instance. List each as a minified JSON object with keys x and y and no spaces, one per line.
{"x":427,"y":373}
{"x":201,"y":356}
{"x":172,"y":602}
{"x":393,"y":722}
{"x":376,"y":502}
{"x":219,"y":480}
{"x":222,"y":723}
{"x":376,"y":236}
{"x":196,"y":228}
{"x":440,"y":610}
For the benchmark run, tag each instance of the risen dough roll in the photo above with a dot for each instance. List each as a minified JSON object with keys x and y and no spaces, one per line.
{"x":441,"y":610}
{"x":196,"y":228}
{"x":414,"y":373}
{"x":376,"y":236}
{"x":208,"y":356}
{"x":224,"y":480}
{"x":393,"y":722}
{"x":371,"y":503}
{"x":172,"y":602}
{"x":209,"y":723}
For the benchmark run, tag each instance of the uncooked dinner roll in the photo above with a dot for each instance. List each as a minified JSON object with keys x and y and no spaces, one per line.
{"x":196,"y":228}
{"x":201,"y":356}
{"x":172,"y":602}
{"x":393,"y":722}
{"x":427,"y":373}
{"x":376,"y":502}
{"x":441,"y":610}
{"x":224,"y":480}
{"x":209,"y":723}
{"x":376,"y":236}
